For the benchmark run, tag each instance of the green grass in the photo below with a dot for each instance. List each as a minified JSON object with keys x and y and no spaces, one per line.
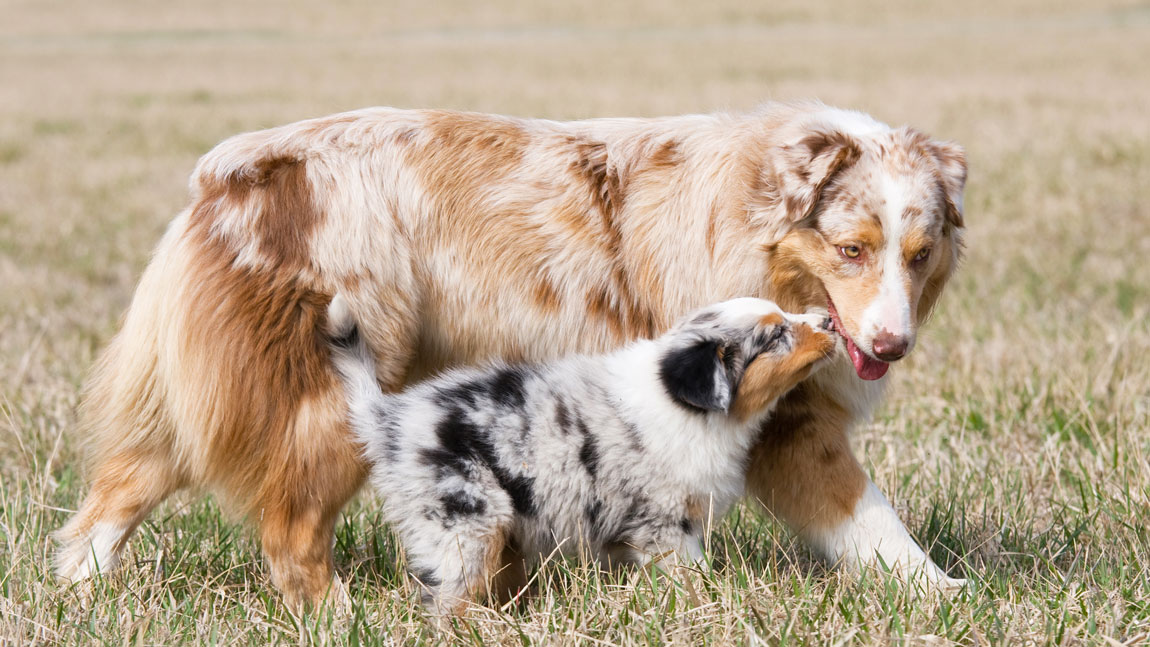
{"x":1015,"y":442}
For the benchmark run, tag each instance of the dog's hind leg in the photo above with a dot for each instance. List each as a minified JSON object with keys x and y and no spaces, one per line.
{"x":125,"y":489}
{"x":307,"y":484}
{"x":129,"y":438}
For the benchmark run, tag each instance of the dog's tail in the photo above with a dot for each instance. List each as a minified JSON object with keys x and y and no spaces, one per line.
{"x":355,"y":365}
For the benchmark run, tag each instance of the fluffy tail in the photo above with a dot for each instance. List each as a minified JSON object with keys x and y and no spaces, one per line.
{"x":355,"y":365}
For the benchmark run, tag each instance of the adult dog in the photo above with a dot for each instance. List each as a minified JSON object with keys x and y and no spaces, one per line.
{"x":463,"y":237}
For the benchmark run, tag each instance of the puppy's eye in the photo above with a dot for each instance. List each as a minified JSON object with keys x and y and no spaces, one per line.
{"x":850,"y":251}
{"x":922,"y":255}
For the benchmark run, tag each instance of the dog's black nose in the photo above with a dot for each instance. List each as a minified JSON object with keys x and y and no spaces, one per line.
{"x":828,"y":324}
{"x":888,"y":347}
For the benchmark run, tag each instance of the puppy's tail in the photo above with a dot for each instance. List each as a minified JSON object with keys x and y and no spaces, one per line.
{"x":355,"y":365}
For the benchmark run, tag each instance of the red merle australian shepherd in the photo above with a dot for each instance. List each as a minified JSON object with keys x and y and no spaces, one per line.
{"x":458,"y":238}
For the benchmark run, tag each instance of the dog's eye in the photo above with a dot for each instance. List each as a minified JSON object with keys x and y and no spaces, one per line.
{"x":850,"y":251}
{"x":922,"y":255}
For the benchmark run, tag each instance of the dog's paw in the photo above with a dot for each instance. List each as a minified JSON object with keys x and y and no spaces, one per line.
{"x":950,"y":584}
{"x":928,"y":578}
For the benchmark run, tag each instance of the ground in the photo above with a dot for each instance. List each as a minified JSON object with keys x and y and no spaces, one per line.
{"x":1014,"y":442}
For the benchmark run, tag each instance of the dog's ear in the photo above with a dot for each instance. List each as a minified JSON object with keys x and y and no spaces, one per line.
{"x":812,"y":162}
{"x":701,"y":375}
{"x":794,"y":179}
{"x":951,"y":159}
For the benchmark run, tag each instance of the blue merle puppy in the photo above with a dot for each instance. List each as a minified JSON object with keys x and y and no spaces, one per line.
{"x":625,"y":456}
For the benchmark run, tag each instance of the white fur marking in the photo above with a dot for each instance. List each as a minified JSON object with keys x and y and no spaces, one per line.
{"x":100,"y":553}
{"x":890,"y":310}
{"x":873,"y":533}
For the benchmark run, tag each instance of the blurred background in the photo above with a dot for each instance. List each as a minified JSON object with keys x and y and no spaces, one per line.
{"x":1025,"y":406}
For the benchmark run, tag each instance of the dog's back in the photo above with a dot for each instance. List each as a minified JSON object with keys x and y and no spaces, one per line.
{"x":219,"y":378}
{"x":459,"y":238}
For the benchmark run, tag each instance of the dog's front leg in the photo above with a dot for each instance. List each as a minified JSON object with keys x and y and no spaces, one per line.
{"x":873,"y":533}
{"x":803,"y":471}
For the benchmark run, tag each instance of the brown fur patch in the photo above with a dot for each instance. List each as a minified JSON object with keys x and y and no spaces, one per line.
{"x":278,"y":190}
{"x":709,"y":237}
{"x":271,"y":326}
{"x":602,"y":177}
{"x":768,"y":376}
{"x":276,"y":440}
{"x":666,"y":156}
{"x":802,"y":468}
{"x":546,"y":297}
{"x":616,"y":303}
{"x":913,"y":242}
{"x":853,"y":299}
{"x":811,"y":166}
{"x":868,"y":233}
{"x":510,"y":575}
{"x":621,"y":311}
{"x":773,"y":319}
{"x":696,"y":508}
{"x":462,"y":155}
{"x":792,"y":273}
{"x":625,"y":319}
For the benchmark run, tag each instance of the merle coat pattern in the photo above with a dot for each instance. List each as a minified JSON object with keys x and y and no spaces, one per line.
{"x":624,"y":457}
{"x":462,"y":238}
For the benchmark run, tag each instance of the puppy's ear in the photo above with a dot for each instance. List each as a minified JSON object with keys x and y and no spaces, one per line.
{"x":701,"y":375}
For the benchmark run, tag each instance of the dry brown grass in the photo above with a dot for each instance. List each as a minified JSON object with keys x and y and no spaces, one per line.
{"x":1016,"y":436}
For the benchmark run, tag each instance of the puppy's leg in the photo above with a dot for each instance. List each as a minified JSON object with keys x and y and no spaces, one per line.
{"x":511,"y":576}
{"x":456,"y":566}
{"x":803,"y":471}
{"x":125,"y":489}
{"x":668,"y":546}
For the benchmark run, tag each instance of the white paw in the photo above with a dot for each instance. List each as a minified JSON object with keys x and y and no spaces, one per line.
{"x":929,"y":577}
{"x":338,"y":599}
{"x":951,"y":584}
{"x":98,"y":551}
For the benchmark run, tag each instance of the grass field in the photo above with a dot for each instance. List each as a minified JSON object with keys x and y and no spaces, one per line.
{"x":1015,"y":441}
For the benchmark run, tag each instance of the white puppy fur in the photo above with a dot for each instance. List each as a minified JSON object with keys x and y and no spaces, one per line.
{"x":626,"y":457}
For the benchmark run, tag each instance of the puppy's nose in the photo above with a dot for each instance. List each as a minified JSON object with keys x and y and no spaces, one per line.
{"x":889,"y":347}
{"x":828,"y":324}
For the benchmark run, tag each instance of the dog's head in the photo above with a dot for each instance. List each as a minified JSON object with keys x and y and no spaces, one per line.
{"x":739,"y":356}
{"x":866,"y":221}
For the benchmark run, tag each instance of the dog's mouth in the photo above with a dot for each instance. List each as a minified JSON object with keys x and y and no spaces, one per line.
{"x":867,"y":367}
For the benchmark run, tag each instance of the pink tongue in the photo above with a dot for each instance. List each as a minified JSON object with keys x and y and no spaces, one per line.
{"x":867,"y":367}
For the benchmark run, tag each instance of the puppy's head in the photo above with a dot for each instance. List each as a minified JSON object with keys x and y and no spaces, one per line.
{"x":866,"y":221}
{"x":739,"y":356}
